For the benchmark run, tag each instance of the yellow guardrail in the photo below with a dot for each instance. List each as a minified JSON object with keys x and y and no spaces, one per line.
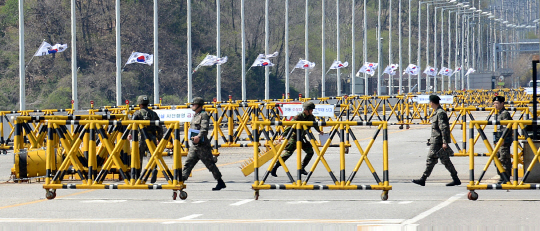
{"x":339,"y":128}
{"x":134,"y":175}
{"x":510,"y":183}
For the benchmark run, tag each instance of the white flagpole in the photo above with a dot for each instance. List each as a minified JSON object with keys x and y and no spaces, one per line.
{"x":306,"y":81}
{"x":22,"y":94}
{"x":323,"y":43}
{"x":287,"y":49}
{"x":218,"y":50}
{"x":266,"y":51}
{"x":243,"y":51}
{"x":118,"y":56}
{"x":189,"y":73}
{"x":156,"y":56}
{"x":74,"y":56}
{"x":337,"y":43}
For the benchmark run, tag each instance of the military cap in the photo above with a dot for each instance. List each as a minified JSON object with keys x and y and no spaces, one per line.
{"x":198,"y":100}
{"x":142,"y":99}
{"x":434,"y":99}
{"x":309,"y":106}
{"x":499,"y":98}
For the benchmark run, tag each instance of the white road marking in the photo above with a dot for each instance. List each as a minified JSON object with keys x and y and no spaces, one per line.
{"x":190,"y":217}
{"x":434,"y":209}
{"x":186,"y":218}
{"x":170,"y":221}
{"x":174,"y":202}
{"x":307,"y":202}
{"x":198,"y":202}
{"x":242,"y":202}
{"x":104,"y":201}
{"x":404,"y":202}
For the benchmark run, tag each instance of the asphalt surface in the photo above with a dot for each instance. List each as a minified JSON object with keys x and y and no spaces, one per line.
{"x":409,"y":207}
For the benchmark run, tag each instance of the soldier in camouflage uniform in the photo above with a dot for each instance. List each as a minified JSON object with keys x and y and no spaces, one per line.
{"x":504,"y":151}
{"x":201,"y":148}
{"x":154,"y":132}
{"x":306,"y":115}
{"x":440,"y":138}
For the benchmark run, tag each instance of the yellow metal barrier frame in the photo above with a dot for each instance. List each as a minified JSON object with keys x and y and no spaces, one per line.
{"x":94,"y":176}
{"x":511,"y":184}
{"x":337,"y":126}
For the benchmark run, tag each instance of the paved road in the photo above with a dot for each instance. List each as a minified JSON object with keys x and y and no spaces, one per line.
{"x":409,"y":207}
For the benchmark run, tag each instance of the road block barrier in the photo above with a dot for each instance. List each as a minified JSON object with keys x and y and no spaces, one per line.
{"x":131,"y":171}
{"x":340,"y":128}
{"x":511,"y":179}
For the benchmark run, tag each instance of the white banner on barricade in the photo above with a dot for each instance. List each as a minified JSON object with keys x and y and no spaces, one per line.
{"x":424,"y":99}
{"x":321,"y":110}
{"x":181,"y":115}
{"x":529,"y":90}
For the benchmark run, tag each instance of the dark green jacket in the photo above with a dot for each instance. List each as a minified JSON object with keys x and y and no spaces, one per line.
{"x":440,"y":128}
{"x":148,"y":114}
{"x":302,"y":117}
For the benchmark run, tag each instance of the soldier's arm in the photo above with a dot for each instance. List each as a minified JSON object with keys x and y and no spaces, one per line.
{"x":158,"y":128}
{"x":205,"y":123}
{"x":315,"y":125}
{"x":444,"y":126}
{"x":506,"y":116}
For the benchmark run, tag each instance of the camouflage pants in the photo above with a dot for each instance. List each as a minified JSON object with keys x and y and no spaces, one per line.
{"x":143,"y":147}
{"x":291,"y":147}
{"x":504,"y":156}
{"x":203,"y":153}
{"x":433,"y":158}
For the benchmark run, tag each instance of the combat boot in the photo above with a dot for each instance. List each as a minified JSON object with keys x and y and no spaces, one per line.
{"x":274,"y":173}
{"x":220,"y":185}
{"x":421,"y":181}
{"x":455,"y":181}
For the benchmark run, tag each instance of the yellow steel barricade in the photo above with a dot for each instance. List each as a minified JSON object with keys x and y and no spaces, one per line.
{"x":92,"y":177}
{"x":339,"y":128}
{"x":511,"y":181}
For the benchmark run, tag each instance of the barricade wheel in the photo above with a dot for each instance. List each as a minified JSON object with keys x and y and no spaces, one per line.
{"x":401,"y":127}
{"x":256,"y":195}
{"x":472,"y":195}
{"x":5,"y":152}
{"x":50,"y":194}
{"x":384,"y":195}
{"x":215,"y":159}
{"x":183,"y":195}
{"x":174,"y":195}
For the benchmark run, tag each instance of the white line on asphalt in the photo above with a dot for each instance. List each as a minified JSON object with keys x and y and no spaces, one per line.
{"x":198,"y":202}
{"x":190,"y":217}
{"x":202,"y":221}
{"x":434,"y":209}
{"x":404,"y":202}
{"x":186,"y":218}
{"x":242,"y":202}
{"x":173,"y":202}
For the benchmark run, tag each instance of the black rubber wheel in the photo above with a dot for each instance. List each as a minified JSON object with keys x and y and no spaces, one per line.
{"x":174,"y":195}
{"x":5,"y":152}
{"x":384,"y":195}
{"x":401,"y":127}
{"x":50,"y":194}
{"x":472,"y":195}
{"x":183,"y":195}
{"x":256,"y":195}
{"x":215,"y":159}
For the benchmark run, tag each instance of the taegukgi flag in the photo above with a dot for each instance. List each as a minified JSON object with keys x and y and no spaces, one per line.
{"x":458,"y":69}
{"x":338,"y":65}
{"x":304,"y":64}
{"x":262,"y":61}
{"x":430,"y":71}
{"x":390,"y":69}
{"x":412,"y":70}
{"x":470,"y":71}
{"x":142,"y":58}
{"x":46,"y":49}
{"x":446,"y":71}
{"x":368,"y":68}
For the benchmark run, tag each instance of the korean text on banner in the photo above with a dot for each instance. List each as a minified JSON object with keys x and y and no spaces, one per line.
{"x":181,"y":115}
{"x":321,"y":110}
